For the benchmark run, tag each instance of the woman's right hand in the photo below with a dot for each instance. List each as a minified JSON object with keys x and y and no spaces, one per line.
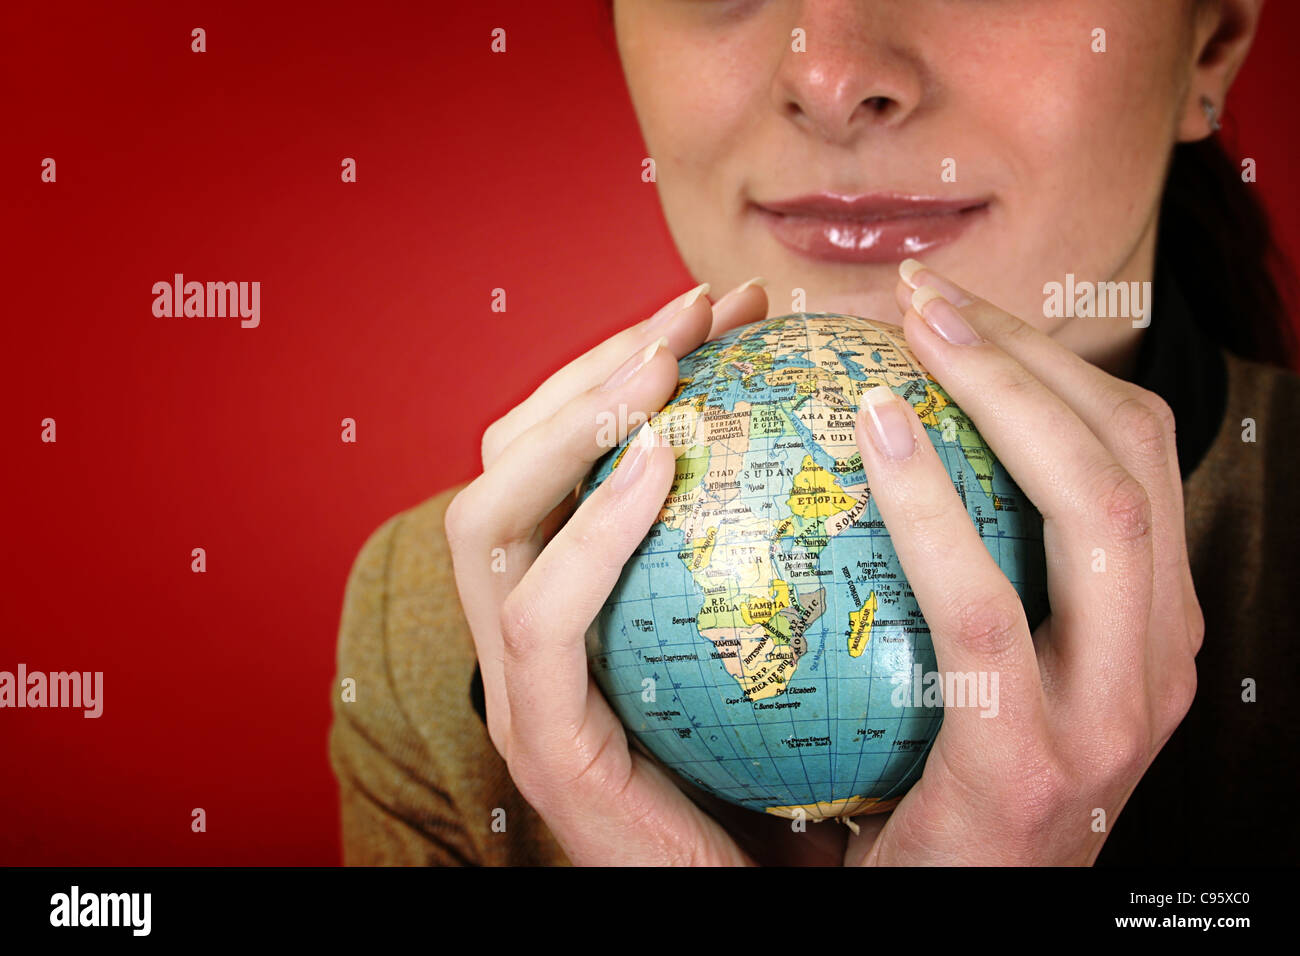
{"x":532,"y":573}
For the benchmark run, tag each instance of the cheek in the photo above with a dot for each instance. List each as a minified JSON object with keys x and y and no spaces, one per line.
{"x":1087,"y":135}
{"x":698,"y":104}
{"x":694,"y":125}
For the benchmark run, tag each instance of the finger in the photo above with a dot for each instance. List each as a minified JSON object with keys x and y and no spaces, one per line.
{"x":744,"y":304}
{"x":1088,"y":501}
{"x":559,"y":451}
{"x":566,"y":749}
{"x":545,"y":619}
{"x":685,"y":321}
{"x":1138,"y":428}
{"x":495,"y":524}
{"x":975,"y":616}
{"x":1135,"y":425}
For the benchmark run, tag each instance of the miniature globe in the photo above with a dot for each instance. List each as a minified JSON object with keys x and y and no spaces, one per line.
{"x":763,"y":642}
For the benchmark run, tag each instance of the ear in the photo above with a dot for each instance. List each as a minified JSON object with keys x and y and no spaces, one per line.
{"x":1222,"y":34}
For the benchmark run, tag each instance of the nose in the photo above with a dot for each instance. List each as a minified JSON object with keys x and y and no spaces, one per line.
{"x":854,"y":74}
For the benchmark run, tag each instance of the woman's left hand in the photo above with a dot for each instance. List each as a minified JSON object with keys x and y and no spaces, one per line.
{"x":1088,"y":699}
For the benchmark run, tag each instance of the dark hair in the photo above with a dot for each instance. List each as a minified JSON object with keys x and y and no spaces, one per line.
{"x":1214,"y":234}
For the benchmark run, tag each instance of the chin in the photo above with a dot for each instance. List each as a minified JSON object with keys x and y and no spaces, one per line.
{"x":879,"y":306}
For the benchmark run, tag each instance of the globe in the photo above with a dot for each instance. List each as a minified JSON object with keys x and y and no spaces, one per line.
{"x":762,"y":641}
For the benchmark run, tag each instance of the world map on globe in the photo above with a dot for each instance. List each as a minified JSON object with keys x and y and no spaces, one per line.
{"x":763,"y":641}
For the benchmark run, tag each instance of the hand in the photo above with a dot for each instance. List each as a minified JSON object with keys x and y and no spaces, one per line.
{"x":532,"y":573}
{"x":1089,"y":698}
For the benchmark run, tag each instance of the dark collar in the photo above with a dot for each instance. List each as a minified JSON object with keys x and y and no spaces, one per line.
{"x":476,"y":698}
{"x":1185,"y":367}
{"x":1176,"y":360}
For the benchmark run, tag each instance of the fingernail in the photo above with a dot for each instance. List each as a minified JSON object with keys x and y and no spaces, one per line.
{"x":757,"y":280}
{"x":665,"y":316}
{"x":630,"y":367}
{"x":885,"y":419}
{"x":942,"y":316}
{"x":632,"y":463}
{"x":918,"y":274}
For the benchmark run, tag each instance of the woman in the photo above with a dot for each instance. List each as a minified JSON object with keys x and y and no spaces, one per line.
{"x":1009,"y":145}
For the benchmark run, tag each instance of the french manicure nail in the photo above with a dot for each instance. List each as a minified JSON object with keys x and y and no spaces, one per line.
{"x":757,"y":280}
{"x":917,"y":274}
{"x":632,"y":463}
{"x":908,"y":268}
{"x":885,"y":418}
{"x":942,"y":316}
{"x":665,"y":316}
{"x":633,"y":364}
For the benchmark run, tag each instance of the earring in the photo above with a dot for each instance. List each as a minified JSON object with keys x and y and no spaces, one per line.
{"x":1211,"y":115}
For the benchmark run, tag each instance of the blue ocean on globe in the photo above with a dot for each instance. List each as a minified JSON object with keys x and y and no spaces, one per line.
{"x":763,"y":641}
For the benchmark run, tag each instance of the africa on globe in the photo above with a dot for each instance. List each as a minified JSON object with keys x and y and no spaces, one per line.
{"x":763,"y":642}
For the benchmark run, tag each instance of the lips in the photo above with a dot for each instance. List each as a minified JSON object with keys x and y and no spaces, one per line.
{"x":879,"y":227}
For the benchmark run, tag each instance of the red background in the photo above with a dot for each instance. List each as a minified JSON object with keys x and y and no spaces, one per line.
{"x":476,"y":171}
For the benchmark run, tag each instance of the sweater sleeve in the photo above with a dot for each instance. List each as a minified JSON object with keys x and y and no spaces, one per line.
{"x":419,"y":780}
{"x":393,"y":810}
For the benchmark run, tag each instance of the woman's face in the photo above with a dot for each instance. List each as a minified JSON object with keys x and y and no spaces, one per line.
{"x":1042,"y":155}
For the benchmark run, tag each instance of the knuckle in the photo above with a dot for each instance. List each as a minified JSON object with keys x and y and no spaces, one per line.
{"x":517,"y":621}
{"x":455,"y":527}
{"x":489,"y":442}
{"x":1196,"y":625}
{"x":1124,"y":503}
{"x":1179,"y":696}
{"x":1036,"y":790}
{"x":601,"y":771}
{"x":1164,"y":413}
{"x":495,"y":437}
{"x":990,"y":626}
{"x":1123,"y":752}
{"x":463,"y":517}
{"x":1145,"y":423}
{"x":1014,"y":330}
{"x":1012,"y":378}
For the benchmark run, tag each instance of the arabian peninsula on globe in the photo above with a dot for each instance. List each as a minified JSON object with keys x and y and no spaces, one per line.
{"x":763,"y":641}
